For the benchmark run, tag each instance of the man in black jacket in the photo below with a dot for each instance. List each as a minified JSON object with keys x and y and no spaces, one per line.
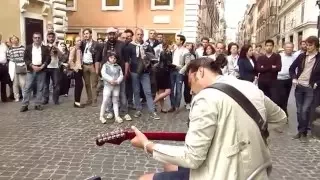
{"x":37,"y":58}
{"x":305,"y":74}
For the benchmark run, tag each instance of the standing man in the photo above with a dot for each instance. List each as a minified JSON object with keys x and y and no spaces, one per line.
{"x":302,"y":48}
{"x":177,"y":78}
{"x":284,"y":82}
{"x":52,"y":71}
{"x":268,"y":66}
{"x":305,"y":74}
{"x":91,"y":51}
{"x":136,"y":53}
{"x":204,"y":44}
{"x":118,"y":47}
{"x":37,"y":57}
{"x":152,"y":41}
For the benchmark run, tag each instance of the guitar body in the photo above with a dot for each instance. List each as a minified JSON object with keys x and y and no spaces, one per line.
{"x":117,"y":137}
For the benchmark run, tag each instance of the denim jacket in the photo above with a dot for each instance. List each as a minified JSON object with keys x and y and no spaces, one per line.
{"x":111,"y":72}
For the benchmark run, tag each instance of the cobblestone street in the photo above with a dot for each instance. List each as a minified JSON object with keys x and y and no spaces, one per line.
{"x":58,"y":143}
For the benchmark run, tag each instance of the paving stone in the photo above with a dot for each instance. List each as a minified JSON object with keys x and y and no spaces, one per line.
{"x":58,"y":143}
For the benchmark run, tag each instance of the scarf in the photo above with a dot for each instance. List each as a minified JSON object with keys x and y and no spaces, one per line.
{"x":140,"y":49}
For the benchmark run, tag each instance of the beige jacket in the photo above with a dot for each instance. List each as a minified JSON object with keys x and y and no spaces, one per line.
{"x":223,"y":142}
{"x":75,"y":59}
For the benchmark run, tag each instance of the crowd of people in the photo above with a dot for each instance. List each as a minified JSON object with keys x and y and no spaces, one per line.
{"x":129,"y":71}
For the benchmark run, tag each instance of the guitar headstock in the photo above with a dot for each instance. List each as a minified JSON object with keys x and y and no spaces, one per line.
{"x":114,"y":137}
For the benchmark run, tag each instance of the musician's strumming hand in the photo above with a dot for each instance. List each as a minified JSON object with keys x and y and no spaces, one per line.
{"x":141,"y":141}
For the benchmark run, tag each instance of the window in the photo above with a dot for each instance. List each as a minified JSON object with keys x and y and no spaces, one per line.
{"x":279,"y":26}
{"x":102,"y":35}
{"x":112,"y":5}
{"x":291,"y":38}
{"x":162,"y":4}
{"x":71,"y":5}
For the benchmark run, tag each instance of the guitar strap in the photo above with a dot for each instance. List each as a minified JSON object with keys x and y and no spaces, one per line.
{"x":246,"y":105}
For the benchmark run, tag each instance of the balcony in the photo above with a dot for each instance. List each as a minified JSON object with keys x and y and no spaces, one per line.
{"x":272,"y":11}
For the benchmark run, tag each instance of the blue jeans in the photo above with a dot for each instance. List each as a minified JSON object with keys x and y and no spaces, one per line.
{"x":144,"y":79}
{"x":304,"y":99}
{"x":54,"y":75}
{"x":32,"y":78}
{"x":176,"y":88}
{"x":181,"y":174}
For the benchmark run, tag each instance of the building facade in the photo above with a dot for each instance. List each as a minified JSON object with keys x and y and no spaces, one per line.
{"x":169,"y":17}
{"x":24,"y":17}
{"x":209,"y":19}
{"x":297,"y":20}
{"x":280,"y":20}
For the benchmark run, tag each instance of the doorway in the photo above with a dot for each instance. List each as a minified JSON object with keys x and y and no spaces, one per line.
{"x":169,"y":37}
{"x":32,"y":26}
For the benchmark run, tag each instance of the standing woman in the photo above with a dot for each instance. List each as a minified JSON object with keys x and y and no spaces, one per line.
{"x":209,"y":51}
{"x":75,"y":64}
{"x":65,"y":73}
{"x":247,"y":64}
{"x":17,"y":66}
{"x":163,"y":76}
{"x":188,"y":57}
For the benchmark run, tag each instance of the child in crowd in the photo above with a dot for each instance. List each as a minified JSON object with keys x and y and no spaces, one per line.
{"x":112,"y":76}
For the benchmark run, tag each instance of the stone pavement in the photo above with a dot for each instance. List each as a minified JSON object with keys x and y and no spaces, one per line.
{"x":58,"y":143}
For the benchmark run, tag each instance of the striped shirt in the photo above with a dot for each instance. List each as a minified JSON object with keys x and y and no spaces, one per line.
{"x":16,"y":54}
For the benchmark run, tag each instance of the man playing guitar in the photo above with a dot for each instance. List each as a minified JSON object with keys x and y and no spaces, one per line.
{"x":223,"y":141}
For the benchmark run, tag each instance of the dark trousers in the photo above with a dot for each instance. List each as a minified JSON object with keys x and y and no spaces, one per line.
{"x":64,"y":83}
{"x":266,"y":88}
{"x":304,"y":101}
{"x":129,"y":91}
{"x":186,"y":92}
{"x":281,"y":93}
{"x":54,"y":75}
{"x":78,"y":85}
{"x":4,"y":80}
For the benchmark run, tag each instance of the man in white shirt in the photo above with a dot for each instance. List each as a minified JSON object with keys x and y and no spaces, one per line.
{"x":217,"y":146}
{"x":4,"y":76}
{"x":204,"y":44}
{"x":284,"y":82}
{"x":303,"y":48}
{"x":175,"y":76}
{"x":52,"y":71}
{"x":37,"y":58}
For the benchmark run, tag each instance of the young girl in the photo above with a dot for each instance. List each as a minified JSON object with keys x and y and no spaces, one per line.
{"x":112,"y":76}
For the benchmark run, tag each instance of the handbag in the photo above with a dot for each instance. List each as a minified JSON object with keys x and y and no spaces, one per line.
{"x":21,"y":69}
{"x":246,"y":105}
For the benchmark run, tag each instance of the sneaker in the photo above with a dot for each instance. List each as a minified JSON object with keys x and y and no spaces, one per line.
{"x":103,"y":120}
{"x":127,"y":117}
{"x":118,"y":119}
{"x":188,"y":107}
{"x":155,"y":116}
{"x":137,"y":114}
{"x":109,"y":115}
{"x":17,"y":100}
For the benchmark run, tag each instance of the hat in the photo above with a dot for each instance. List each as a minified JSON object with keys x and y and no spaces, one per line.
{"x":111,"y":30}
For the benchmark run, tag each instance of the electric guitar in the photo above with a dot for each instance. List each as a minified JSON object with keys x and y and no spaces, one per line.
{"x":118,"y":136}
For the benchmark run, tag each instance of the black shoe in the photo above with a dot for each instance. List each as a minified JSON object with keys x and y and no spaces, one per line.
{"x":78,"y":106}
{"x":172,"y":110}
{"x":38,"y":107}
{"x":304,"y":138}
{"x":45,"y":102}
{"x":57,"y":103}
{"x":24,"y":109}
{"x":297,"y":136}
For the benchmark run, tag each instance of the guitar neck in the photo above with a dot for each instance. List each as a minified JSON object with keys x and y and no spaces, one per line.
{"x":167,"y":136}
